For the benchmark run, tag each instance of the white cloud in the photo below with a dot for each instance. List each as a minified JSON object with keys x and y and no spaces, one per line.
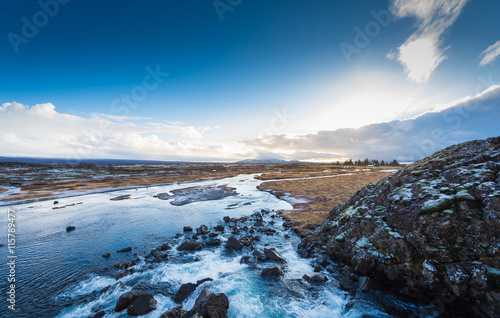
{"x":422,"y":52}
{"x":41,"y":131}
{"x":490,"y":54}
{"x":472,"y":117}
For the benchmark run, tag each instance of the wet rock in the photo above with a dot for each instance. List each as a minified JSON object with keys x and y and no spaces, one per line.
{"x":346,"y":284}
{"x":163,"y":196}
{"x":100,"y":314}
{"x":202,"y":230}
{"x":124,"y":273}
{"x":219,"y":228}
{"x":315,"y":278}
{"x":214,"y":242}
{"x":209,"y":305}
{"x":187,"y":229}
{"x":121,"y":197}
{"x":201,"y":281}
{"x":142,"y":305}
{"x":128,"y":298}
{"x":107,"y":255}
{"x":191,"y":246}
{"x":213,"y":235}
{"x":259,"y":255}
{"x":177,"y":312}
{"x":119,"y":265}
{"x":184,"y":291}
{"x":273,"y":272}
{"x":115,"y":286}
{"x":70,"y":228}
{"x":272,"y":254}
{"x":56,"y":202}
{"x":364,"y":284}
{"x":126,"y":249}
{"x":233,"y":243}
{"x":165,"y":247}
{"x":317,"y":269}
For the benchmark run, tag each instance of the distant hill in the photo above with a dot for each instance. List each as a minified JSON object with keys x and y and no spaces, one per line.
{"x":268,"y":161}
{"x":62,"y":161}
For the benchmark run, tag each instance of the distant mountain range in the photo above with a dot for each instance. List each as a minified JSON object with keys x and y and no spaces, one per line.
{"x":268,"y":161}
{"x":56,"y":161}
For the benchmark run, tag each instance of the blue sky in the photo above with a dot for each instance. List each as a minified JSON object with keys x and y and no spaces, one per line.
{"x":237,"y":71}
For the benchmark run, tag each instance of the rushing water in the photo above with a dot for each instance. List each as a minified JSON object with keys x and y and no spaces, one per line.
{"x":60,"y":274}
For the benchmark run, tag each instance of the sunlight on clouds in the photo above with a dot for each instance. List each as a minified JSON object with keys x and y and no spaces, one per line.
{"x":420,"y":57}
{"x":421,"y":54}
{"x":368,"y":98}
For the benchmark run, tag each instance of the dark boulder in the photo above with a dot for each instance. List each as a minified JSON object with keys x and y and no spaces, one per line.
{"x":202,"y":230}
{"x":191,"y":246}
{"x":165,"y":247}
{"x":233,"y":244}
{"x":70,"y":228}
{"x":128,"y":298}
{"x":273,"y":272}
{"x":107,"y":255}
{"x":187,"y":229}
{"x":177,"y":312}
{"x":209,"y":305}
{"x":100,"y":314}
{"x":214,"y":242}
{"x":126,"y":249}
{"x":184,"y":291}
{"x":219,"y":228}
{"x":272,"y":254}
{"x":142,"y":305}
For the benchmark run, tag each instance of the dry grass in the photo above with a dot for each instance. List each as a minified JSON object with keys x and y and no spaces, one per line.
{"x":322,"y":193}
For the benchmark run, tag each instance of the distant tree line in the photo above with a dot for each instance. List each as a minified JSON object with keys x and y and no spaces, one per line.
{"x":368,"y":162}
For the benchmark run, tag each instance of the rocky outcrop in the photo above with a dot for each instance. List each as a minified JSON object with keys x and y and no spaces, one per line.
{"x":209,"y":305}
{"x":432,"y":230}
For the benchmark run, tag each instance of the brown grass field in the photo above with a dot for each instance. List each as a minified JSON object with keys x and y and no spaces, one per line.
{"x":322,"y":195}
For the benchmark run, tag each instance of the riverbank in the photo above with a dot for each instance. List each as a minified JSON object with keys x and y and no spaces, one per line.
{"x":312,"y":199}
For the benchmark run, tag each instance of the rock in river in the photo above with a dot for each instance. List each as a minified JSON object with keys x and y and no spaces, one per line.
{"x":209,"y":305}
{"x":233,"y":244}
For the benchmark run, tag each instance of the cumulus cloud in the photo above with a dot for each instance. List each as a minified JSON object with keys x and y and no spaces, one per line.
{"x":490,"y":54}
{"x":422,"y":52}
{"x":41,"y":131}
{"x":473,"y":117}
